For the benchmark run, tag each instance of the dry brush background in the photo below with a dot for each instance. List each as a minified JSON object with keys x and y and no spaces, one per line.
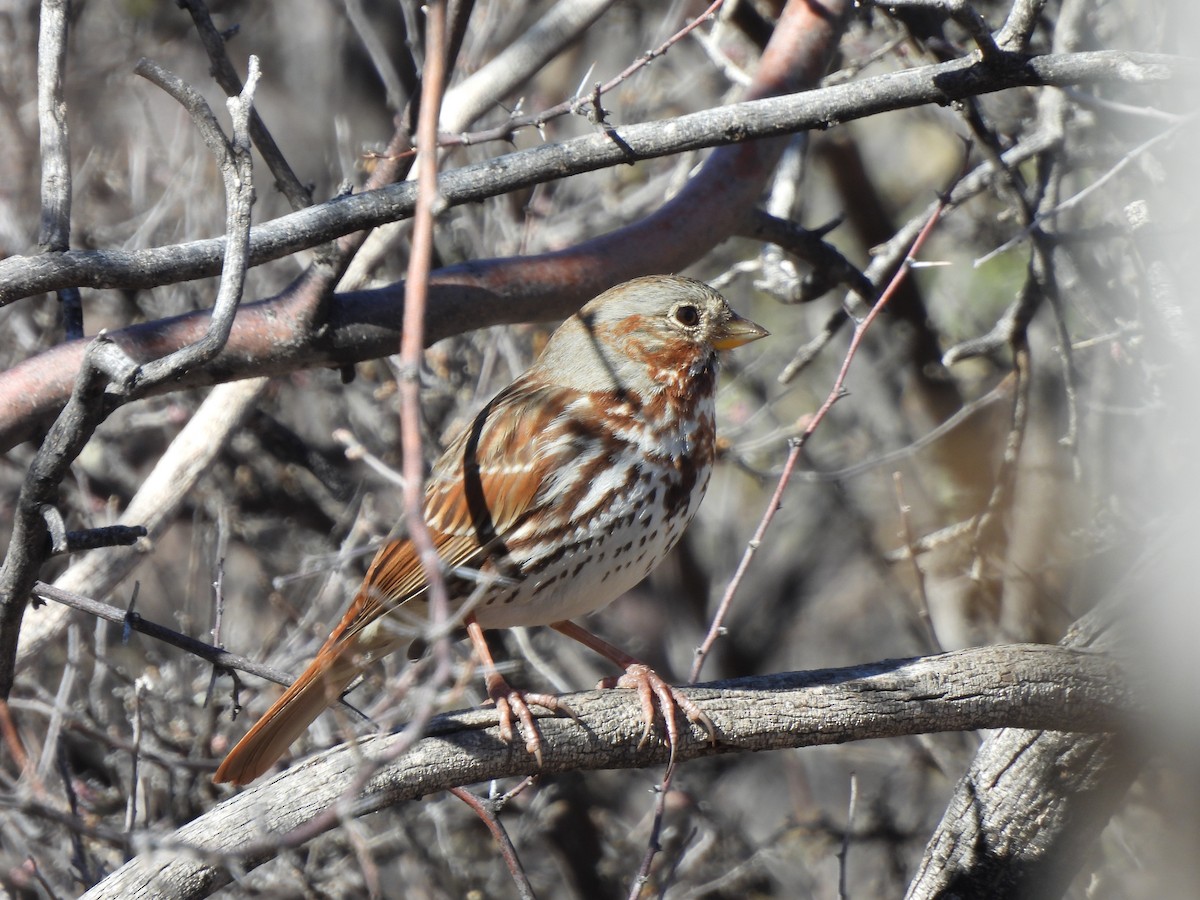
{"x":1031,"y":484}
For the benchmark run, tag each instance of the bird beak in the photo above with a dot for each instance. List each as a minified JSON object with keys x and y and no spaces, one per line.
{"x":737,"y":331}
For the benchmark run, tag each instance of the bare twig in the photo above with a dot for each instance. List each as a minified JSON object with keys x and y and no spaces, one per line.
{"x":69,"y":821}
{"x":844,"y":852}
{"x":62,"y":701}
{"x":1002,"y":391}
{"x":653,"y":840}
{"x":412,"y":337}
{"x":920,"y":594}
{"x":223,"y":72}
{"x":134,"y":622}
{"x":356,"y":451}
{"x":990,"y":524}
{"x":139,"y":692}
{"x":378,"y":52}
{"x":105,"y":536}
{"x":366,"y":860}
{"x":55,"y":233}
{"x":218,"y":582}
{"x":63,"y":541}
{"x":487,"y":811}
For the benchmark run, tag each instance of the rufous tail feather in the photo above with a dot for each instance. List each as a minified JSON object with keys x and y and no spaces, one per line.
{"x":311,"y":694}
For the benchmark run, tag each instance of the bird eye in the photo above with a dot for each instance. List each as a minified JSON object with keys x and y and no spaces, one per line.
{"x":687,"y":316}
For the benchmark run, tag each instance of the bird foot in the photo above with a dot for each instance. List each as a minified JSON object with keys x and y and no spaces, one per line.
{"x":657,"y":696}
{"x":512,"y":703}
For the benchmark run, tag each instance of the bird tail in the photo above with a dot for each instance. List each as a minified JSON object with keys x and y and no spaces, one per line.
{"x":317,"y":688}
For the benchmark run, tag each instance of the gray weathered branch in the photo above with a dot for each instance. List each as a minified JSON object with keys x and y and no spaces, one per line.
{"x":1018,"y":685}
{"x":22,"y":276}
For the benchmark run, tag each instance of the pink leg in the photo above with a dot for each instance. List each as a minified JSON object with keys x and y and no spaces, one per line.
{"x":509,"y":700}
{"x":649,"y":685}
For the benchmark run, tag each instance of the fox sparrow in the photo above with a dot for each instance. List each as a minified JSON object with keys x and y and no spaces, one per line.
{"x":568,"y":487}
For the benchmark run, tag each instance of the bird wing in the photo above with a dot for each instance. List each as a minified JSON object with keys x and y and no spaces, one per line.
{"x":486,"y":482}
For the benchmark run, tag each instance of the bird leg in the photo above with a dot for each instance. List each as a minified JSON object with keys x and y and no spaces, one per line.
{"x":649,"y":685}
{"x":509,"y":701}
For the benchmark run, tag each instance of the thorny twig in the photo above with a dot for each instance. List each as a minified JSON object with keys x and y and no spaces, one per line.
{"x":587,"y":106}
{"x":412,"y":342}
{"x":652,"y":841}
{"x":133,"y":621}
{"x":716,"y":627}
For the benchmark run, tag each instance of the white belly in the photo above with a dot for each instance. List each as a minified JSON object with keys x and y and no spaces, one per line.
{"x":627,"y":539}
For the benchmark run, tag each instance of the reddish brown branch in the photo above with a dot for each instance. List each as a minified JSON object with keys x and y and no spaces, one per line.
{"x":416,"y":289}
{"x":715,"y":204}
{"x":486,"y":810}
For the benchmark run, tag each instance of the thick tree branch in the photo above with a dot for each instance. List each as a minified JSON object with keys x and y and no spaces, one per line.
{"x":978,"y":688}
{"x":365,"y":324}
{"x":1025,"y":815}
{"x":24,"y":276}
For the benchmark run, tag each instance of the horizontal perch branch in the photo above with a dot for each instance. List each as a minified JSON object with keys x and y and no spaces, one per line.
{"x":1031,"y":686}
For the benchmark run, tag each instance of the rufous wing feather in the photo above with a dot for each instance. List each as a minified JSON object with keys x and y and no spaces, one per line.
{"x":485,"y":482}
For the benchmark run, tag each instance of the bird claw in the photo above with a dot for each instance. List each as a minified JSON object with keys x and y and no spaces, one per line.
{"x":511,"y":702}
{"x":658,"y":696}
